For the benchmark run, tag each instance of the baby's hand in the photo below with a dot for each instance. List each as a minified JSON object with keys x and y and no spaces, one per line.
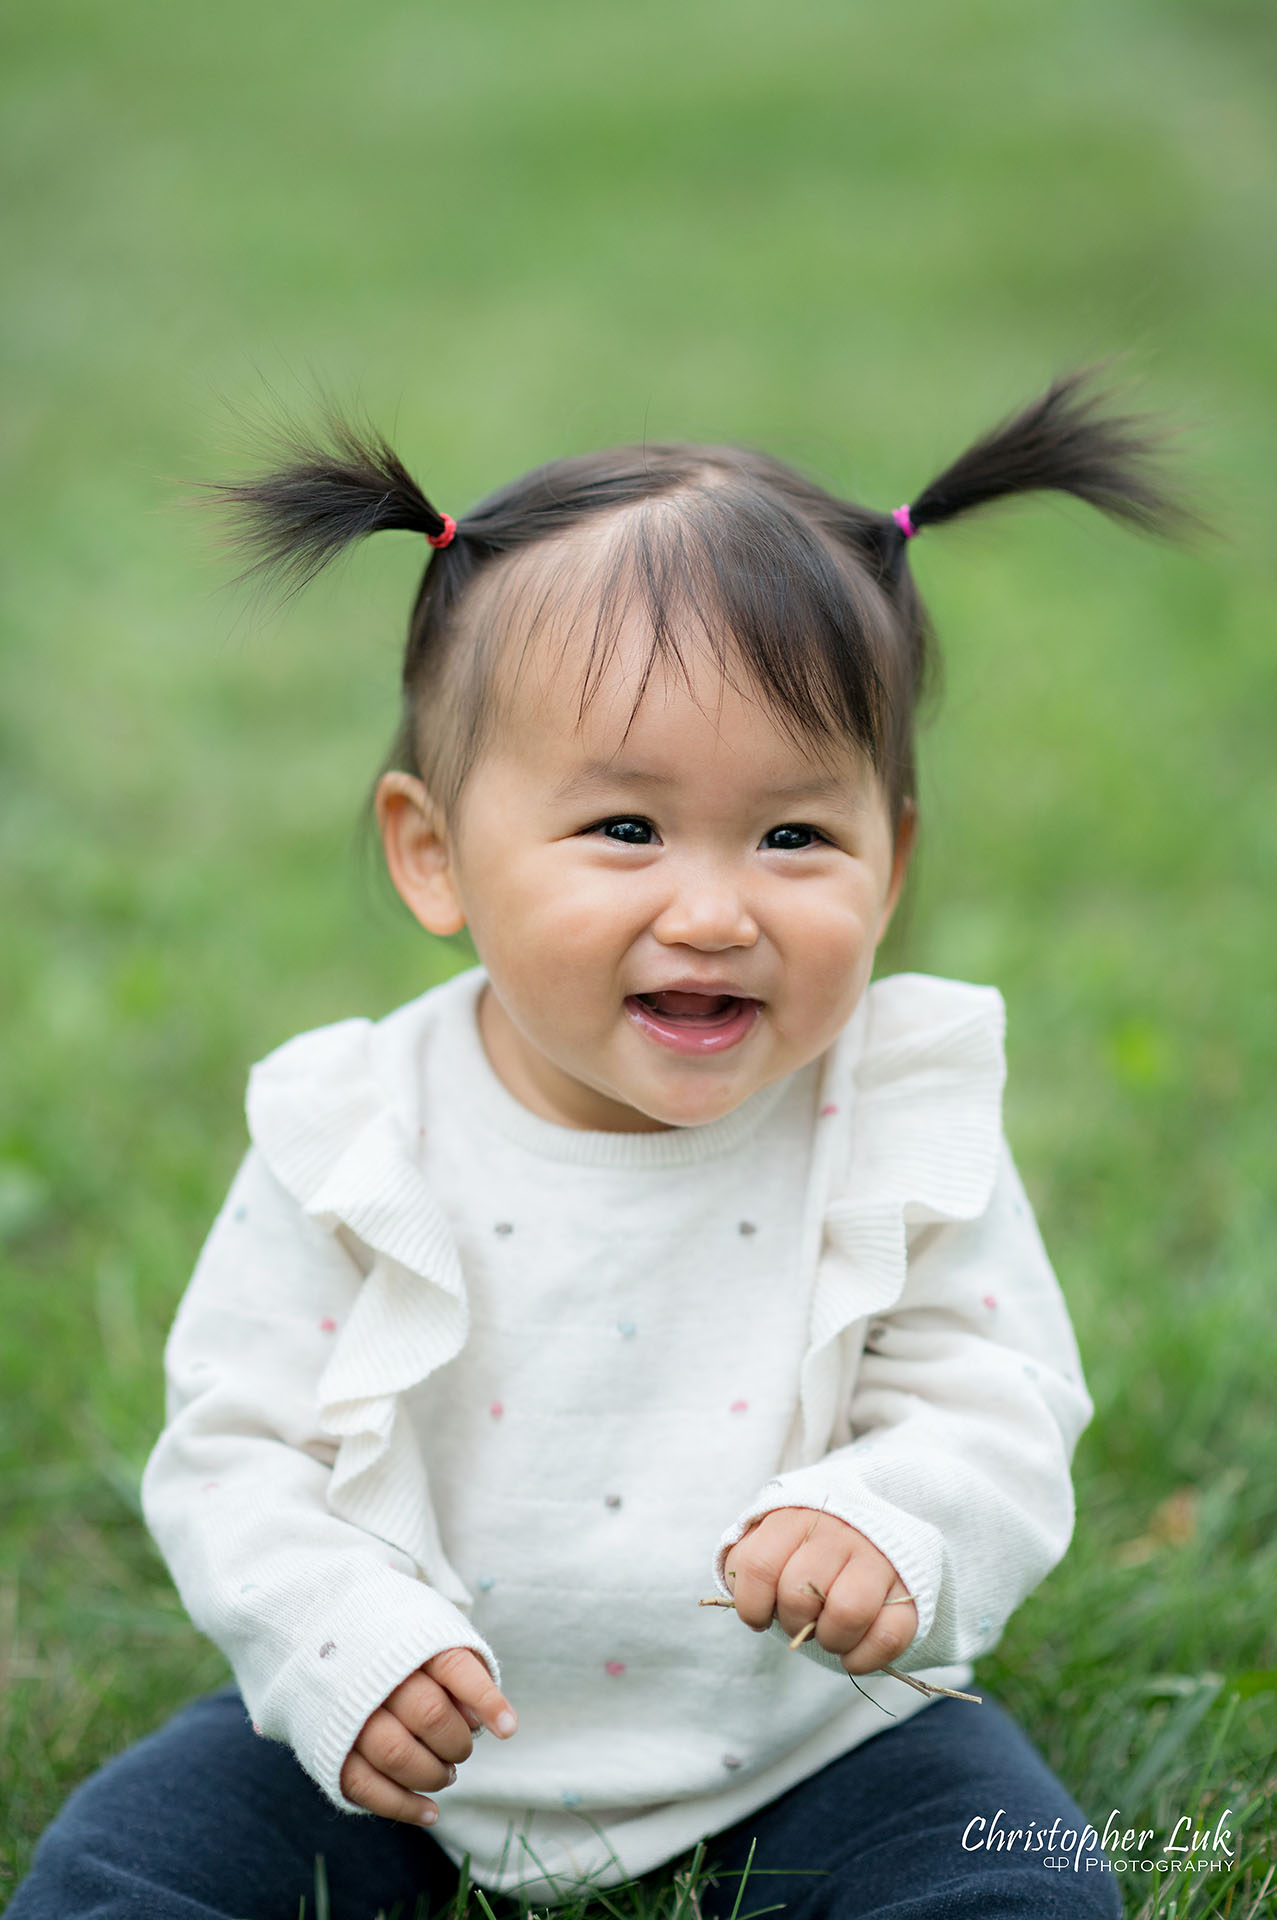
{"x":774,"y":1568}
{"x":415,"y":1739}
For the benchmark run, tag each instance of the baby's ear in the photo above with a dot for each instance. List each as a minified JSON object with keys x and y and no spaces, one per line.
{"x":414,"y":835}
{"x":906,"y":834}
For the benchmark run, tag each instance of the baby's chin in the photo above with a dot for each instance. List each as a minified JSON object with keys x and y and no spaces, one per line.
{"x":697,"y":1102}
{"x":634,"y":1103}
{"x":659,"y":1090}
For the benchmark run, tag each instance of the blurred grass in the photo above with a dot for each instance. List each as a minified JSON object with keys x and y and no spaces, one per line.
{"x":854,"y":236}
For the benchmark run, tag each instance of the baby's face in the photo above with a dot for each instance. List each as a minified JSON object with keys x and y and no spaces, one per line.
{"x":671,"y":922}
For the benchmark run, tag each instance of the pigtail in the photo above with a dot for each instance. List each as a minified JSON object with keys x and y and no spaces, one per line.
{"x":324,"y":494}
{"x":1066,"y":442}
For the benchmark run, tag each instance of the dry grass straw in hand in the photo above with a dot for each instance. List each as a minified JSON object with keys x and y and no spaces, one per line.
{"x":805,"y":1634}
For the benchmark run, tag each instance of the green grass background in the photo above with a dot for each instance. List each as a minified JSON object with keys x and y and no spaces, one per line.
{"x":854,"y":235}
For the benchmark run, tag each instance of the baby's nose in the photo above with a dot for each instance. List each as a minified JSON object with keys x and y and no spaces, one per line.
{"x":708,"y":910}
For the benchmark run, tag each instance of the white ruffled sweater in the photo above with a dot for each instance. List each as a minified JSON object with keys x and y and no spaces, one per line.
{"x":331,"y":1522}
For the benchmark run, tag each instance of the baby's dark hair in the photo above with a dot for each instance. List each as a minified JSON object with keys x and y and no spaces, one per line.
{"x":811,"y":595}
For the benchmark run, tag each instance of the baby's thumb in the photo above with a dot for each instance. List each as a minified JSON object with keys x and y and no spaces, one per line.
{"x":466,"y":1678}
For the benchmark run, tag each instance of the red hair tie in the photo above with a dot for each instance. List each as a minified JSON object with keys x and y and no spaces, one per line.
{"x":902,"y":518}
{"x":448,"y":535}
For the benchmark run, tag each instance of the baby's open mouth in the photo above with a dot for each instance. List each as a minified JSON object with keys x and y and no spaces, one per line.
{"x":693,"y":1023}
{"x":702,"y":1008}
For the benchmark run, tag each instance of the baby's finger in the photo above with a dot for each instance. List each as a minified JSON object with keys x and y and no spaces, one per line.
{"x":752,"y":1572}
{"x":391,"y":1747}
{"x":852,"y":1604}
{"x":471,"y":1685}
{"x":430,"y":1713}
{"x":361,"y":1783}
{"x":885,"y":1639}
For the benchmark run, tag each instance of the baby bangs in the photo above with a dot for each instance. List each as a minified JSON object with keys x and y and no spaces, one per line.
{"x":717,"y":558}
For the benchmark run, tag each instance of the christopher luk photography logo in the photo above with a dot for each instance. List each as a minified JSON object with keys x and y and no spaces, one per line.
{"x":1187,"y":1846}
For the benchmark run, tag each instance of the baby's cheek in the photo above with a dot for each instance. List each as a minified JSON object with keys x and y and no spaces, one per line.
{"x":559,"y":946}
{"x":825,"y":988}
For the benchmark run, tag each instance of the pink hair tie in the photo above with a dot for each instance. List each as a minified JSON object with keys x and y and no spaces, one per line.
{"x":901,"y":517}
{"x":448,"y":535}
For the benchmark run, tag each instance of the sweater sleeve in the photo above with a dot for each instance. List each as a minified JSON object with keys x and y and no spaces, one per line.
{"x":967,"y":1407}
{"x":319,"y":1619}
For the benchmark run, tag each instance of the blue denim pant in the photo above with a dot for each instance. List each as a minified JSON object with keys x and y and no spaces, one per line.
{"x":204,"y":1821}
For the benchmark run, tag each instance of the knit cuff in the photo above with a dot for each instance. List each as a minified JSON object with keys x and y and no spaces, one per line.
{"x":349,"y":1662}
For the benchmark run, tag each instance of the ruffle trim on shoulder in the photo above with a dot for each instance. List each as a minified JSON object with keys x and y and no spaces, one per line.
{"x":329,"y":1128}
{"x":914,"y":1086}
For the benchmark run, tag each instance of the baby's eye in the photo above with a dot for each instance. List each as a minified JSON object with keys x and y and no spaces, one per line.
{"x":791,"y":838}
{"x":627,"y":828}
